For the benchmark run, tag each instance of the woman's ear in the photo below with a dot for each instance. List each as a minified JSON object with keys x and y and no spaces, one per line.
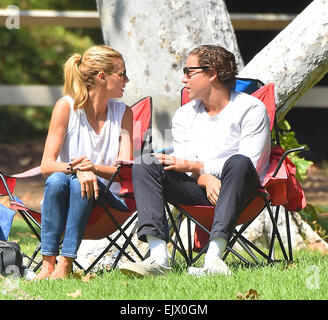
{"x":101,"y":76}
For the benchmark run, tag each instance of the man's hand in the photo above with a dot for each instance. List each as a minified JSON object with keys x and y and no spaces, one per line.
{"x":212,"y":185}
{"x":172,"y":163}
{"x":89,"y":184}
{"x":178,"y":164}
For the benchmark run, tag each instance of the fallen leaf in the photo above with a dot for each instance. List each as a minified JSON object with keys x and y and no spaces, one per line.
{"x":240,"y":296}
{"x":88,"y":277}
{"x":75,"y":294}
{"x":251,"y":294}
{"x":289,"y":265}
{"x":78,"y":274}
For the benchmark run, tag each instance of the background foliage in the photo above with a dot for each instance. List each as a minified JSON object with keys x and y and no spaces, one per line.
{"x":35,"y":55}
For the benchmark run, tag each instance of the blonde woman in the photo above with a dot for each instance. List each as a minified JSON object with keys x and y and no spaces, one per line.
{"x":87,"y":133}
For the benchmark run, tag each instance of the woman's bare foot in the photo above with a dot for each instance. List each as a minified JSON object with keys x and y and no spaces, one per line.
{"x":63,"y":268}
{"x":48,"y":266}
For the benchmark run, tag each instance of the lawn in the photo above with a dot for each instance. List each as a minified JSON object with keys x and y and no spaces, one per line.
{"x":304,"y":279}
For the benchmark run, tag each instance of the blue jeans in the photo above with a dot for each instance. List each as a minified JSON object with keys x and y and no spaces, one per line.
{"x":64,"y":210}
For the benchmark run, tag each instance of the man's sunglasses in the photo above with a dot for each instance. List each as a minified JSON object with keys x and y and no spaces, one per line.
{"x":186,"y":70}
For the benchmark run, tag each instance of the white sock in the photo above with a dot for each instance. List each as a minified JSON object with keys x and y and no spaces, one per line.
{"x":215,"y":250}
{"x":158,"y":250}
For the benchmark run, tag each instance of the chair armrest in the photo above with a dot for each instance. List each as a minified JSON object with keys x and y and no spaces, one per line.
{"x":124,"y":168}
{"x":120,"y":162}
{"x":27,"y":174}
{"x":283,"y":157}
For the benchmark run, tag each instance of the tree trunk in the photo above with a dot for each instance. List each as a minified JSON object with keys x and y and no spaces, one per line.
{"x":296,"y":59}
{"x":155,"y":38}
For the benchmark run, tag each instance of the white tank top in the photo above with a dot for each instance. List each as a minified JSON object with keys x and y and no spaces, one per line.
{"x":81,"y":139}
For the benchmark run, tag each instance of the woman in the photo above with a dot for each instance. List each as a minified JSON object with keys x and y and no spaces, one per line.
{"x":87,"y":133}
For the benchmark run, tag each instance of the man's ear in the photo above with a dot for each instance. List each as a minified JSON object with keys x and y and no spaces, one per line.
{"x":212,"y":75}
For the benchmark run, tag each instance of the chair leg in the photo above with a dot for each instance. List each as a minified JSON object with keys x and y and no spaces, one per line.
{"x":289,"y":239}
{"x":272,"y":241}
{"x":275,"y":232}
{"x":122,"y":230}
{"x":248,"y":250}
{"x":29,"y":220}
{"x":239,"y":256}
{"x":35,"y":253}
{"x":125,"y":245}
{"x":113,"y":242}
{"x":79,"y":266}
{"x":246,"y":245}
{"x":176,"y":230}
{"x":175,"y":241}
{"x":189,"y":239}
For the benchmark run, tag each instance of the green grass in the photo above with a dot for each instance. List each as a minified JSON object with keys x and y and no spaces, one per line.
{"x":305,"y":279}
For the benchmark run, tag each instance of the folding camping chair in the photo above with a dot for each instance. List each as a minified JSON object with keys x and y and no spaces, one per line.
{"x":104,"y":220}
{"x":280,"y":189}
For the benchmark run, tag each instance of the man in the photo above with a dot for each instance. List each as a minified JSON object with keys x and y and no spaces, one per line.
{"x":221,"y":154}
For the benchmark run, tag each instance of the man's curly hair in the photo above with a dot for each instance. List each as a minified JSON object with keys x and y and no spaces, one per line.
{"x":219,"y":59}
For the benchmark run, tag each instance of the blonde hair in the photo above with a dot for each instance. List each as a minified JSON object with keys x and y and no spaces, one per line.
{"x":80,"y":71}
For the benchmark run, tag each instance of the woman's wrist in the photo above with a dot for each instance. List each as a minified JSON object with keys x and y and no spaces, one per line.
{"x":95,"y":169}
{"x":69,"y":169}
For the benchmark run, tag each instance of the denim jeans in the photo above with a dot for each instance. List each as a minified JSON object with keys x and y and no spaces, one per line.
{"x":64,"y":211}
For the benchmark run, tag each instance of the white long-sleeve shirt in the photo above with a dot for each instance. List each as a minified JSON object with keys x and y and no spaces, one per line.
{"x":242,"y":127}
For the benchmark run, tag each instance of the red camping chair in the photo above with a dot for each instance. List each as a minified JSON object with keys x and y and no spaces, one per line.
{"x":280,"y":188}
{"x":104,"y":220}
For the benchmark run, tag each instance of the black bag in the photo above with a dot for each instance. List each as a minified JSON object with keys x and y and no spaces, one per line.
{"x":11,"y":259}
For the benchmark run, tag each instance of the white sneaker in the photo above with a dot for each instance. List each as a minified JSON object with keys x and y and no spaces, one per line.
{"x":217,"y":266}
{"x":143,"y":268}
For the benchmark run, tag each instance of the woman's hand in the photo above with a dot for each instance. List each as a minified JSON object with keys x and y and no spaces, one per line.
{"x":89,"y":184}
{"x":212,"y":185}
{"x":82,"y":164}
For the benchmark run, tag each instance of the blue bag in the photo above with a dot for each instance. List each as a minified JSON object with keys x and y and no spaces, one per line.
{"x":6,"y":220}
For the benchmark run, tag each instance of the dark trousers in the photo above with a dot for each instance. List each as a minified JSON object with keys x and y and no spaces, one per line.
{"x":153,"y":185}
